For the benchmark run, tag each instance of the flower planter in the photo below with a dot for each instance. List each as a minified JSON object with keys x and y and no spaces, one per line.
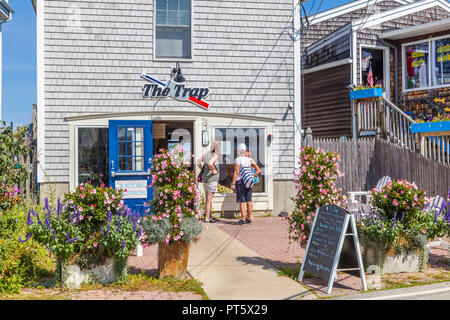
{"x":439,"y":127}
{"x":173,"y":260}
{"x":72,"y":276}
{"x":389,"y":262}
{"x":366,"y":93}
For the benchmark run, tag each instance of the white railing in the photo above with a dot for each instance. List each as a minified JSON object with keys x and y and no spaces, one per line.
{"x":383,"y":118}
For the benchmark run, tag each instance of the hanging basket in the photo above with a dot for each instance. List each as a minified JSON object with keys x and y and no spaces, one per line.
{"x":173,"y":260}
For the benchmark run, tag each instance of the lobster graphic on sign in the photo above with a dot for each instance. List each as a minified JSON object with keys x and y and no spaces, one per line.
{"x":175,"y":88}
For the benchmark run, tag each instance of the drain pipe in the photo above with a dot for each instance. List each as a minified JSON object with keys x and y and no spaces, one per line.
{"x":394,"y":48}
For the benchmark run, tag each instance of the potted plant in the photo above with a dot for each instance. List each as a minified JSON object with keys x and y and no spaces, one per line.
{"x":174,"y":220}
{"x":91,"y":234}
{"x":394,"y":233}
{"x":315,"y":182}
{"x":362,"y":92}
{"x":439,"y":124}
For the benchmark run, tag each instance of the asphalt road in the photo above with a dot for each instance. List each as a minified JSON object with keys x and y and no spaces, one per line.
{"x":437,"y":291}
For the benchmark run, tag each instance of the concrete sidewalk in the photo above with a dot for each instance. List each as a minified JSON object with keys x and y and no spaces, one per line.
{"x":231,"y":271}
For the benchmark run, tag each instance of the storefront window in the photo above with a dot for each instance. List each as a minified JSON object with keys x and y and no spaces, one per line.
{"x":416,"y":72}
{"x":93,"y":156}
{"x":230,"y":138}
{"x":173,"y":29}
{"x":441,"y":67}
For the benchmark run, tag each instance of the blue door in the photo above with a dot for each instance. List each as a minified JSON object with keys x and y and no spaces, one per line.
{"x":130,"y":149}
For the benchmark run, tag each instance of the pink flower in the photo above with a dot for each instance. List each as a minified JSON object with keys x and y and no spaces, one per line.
{"x":93,"y":191}
{"x":95,"y":244}
{"x":424,"y":230}
{"x":82,"y":196}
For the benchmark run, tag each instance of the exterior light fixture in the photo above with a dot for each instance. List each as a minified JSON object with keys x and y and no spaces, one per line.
{"x":179,"y":77}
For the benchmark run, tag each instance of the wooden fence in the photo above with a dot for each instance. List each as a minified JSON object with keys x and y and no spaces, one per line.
{"x":366,"y":160}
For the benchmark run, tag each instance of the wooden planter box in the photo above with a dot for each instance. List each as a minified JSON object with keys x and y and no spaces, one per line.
{"x":366,"y":93}
{"x":390,"y":262}
{"x":173,"y":260}
{"x":72,"y":276}
{"x":440,"y":128}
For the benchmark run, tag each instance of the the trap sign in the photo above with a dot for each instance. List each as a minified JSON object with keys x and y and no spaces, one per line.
{"x":177,"y":90}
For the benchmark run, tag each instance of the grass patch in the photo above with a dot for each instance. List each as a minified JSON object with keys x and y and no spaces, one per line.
{"x":393,"y":284}
{"x":135,"y":282}
{"x":294,"y":272}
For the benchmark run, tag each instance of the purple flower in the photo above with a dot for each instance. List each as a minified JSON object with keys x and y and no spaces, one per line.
{"x":67,"y":236}
{"x":59,"y":209}
{"x":118,"y":225}
{"x":139,"y":233}
{"x":28,"y":236}
{"x":123,"y":245}
{"x":54,"y":236}
{"x":47,"y":223}
{"x":107,"y":229}
{"x":109,"y":216}
{"x":72,"y":240}
{"x":29,"y":219}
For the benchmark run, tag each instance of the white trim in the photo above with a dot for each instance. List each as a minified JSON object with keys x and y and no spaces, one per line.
{"x":399,"y":12}
{"x":414,"y":30}
{"x":386,"y":66}
{"x":327,"y":66}
{"x":346,"y":8}
{"x":40,"y":90}
{"x":168,"y":59}
{"x":297,"y":83}
{"x":430,"y":59}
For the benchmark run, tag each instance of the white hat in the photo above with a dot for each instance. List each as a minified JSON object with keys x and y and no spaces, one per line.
{"x":242,"y":148}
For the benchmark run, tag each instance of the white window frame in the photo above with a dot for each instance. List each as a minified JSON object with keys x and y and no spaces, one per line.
{"x":266,"y":154}
{"x":155,"y":58}
{"x":77,"y":182}
{"x":430,"y":60}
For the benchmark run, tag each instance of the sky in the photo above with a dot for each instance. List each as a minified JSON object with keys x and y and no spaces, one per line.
{"x":19,"y":58}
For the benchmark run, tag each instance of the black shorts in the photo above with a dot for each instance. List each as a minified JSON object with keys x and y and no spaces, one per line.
{"x":243,"y":194}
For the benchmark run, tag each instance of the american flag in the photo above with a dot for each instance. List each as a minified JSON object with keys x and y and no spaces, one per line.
{"x":370,"y":77}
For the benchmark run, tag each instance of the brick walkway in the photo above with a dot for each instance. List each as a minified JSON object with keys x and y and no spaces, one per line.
{"x":268,"y":237}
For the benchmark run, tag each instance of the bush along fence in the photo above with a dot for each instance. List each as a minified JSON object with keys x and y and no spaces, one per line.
{"x":366,"y":160}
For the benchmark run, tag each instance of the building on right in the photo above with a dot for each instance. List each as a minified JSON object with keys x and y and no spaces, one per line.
{"x":401,"y":46}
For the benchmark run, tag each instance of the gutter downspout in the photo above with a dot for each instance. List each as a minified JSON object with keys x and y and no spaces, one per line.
{"x":394,"y":48}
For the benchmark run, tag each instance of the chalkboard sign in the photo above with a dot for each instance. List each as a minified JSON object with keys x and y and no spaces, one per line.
{"x":326,"y":239}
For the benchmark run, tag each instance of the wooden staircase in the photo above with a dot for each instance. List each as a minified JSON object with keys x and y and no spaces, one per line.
{"x":380,"y":117}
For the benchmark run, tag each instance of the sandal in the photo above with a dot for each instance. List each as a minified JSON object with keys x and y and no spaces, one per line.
{"x":241,"y":222}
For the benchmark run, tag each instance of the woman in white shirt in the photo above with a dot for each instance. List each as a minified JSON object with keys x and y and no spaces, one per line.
{"x":243,"y":193}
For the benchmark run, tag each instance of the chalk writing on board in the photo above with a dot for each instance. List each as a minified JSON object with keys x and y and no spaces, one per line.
{"x":324,"y":240}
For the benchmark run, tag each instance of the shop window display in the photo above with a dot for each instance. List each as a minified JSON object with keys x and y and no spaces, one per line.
{"x":441,"y":68}
{"x":93,"y":156}
{"x":416,"y":71}
{"x":230,"y":138}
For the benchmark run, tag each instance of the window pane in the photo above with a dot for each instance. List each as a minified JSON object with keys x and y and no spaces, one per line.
{"x":416,"y":73}
{"x":184,"y":18}
{"x":121,"y":134}
{"x":130,"y":134}
{"x":139,"y":163}
{"x":122,"y":148}
{"x":173,"y":4}
{"x":230,"y":138}
{"x":93,"y":155}
{"x":139,"y":149}
{"x":161,"y":4}
{"x":441,"y":67}
{"x":172,"y":18}
{"x":185,"y":5}
{"x":173,"y":42}
{"x":122,"y":163}
{"x":161,"y":17}
{"x":139,"y":134}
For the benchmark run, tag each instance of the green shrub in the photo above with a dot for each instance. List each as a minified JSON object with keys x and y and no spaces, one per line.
{"x":21,"y":263}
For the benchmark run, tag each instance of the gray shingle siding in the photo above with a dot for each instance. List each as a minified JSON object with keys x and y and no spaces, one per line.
{"x":95,"y":51}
